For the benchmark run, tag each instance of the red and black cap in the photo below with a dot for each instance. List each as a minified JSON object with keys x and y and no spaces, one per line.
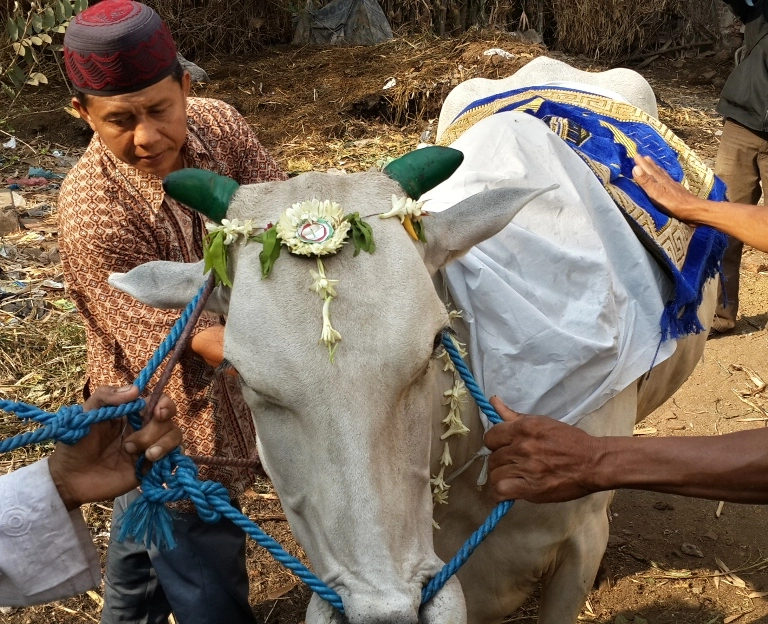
{"x":118,"y":46}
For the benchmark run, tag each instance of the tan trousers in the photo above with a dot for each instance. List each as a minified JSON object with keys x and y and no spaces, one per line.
{"x":742,"y":163}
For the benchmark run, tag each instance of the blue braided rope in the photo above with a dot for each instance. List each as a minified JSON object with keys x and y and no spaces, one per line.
{"x":68,"y":424}
{"x":174,"y":478}
{"x":460,"y":558}
{"x":469,"y":380}
{"x":167,"y":345}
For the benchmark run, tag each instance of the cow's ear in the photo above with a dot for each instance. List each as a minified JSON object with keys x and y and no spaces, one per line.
{"x":169,"y":285}
{"x":453,"y":232}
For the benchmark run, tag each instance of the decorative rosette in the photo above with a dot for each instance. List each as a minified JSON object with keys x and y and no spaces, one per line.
{"x":313,"y":228}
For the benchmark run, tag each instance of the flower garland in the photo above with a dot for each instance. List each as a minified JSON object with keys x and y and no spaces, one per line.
{"x":409,"y":212}
{"x":454,"y":398}
{"x":216,"y":241}
{"x":309,"y":228}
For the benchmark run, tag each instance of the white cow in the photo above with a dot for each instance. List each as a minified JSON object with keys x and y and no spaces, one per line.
{"x":351,"y":446}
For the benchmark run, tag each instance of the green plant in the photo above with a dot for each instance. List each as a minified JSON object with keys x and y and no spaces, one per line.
{"x":31,"y":29}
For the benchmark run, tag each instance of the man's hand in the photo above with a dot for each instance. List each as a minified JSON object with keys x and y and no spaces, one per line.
{"x":103,"y":464}
{"x":668,"y":195}
{"x":539,"y":459}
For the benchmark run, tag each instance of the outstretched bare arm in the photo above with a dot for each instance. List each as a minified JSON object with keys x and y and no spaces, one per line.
{"x":743,"y":221}
{"x":542,"y":460}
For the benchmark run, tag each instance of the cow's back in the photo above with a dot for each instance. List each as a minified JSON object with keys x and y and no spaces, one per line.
{"x":541,"y":70}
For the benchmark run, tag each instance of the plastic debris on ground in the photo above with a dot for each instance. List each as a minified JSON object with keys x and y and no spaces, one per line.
{"x":10,"y":143}
{"x":499,"y":52}
{"x":16,"y":183}
{"x":39,"y":172}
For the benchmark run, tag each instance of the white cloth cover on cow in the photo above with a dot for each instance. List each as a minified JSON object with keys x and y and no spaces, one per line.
{"x":564,"y":304}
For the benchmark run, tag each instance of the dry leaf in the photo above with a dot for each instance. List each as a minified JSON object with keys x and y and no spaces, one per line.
{"x":282,"y":590}
{"x":732,"y":618}
{"x":691,"y":550}
{"x":589,"y":608}
{"x":72,"y":112}
{"x":644,"y":431}
{"x":721,"y":565}
{"x":761,"y":594}
{"x":736,"y":581}
{"x":753,"y":376}
{"x":96,"y":598}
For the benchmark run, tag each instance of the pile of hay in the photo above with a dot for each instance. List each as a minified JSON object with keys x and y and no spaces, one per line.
{"x":608,"y":29}
{"x":605,"y":29}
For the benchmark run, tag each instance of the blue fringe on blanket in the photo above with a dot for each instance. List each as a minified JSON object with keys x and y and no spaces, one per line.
{"x":607,"y":135}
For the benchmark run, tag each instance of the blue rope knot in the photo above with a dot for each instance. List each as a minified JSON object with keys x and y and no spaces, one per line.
{"x":171,"y":479}
{"x":66,"y":428}
{"x":68,"y":425}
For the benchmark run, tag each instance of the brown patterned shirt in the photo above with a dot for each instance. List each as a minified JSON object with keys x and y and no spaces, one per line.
{"x":112,"y":218}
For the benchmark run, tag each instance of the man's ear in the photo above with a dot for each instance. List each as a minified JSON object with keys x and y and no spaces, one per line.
{"x":186,"y":83}
{"x":83,"y":112}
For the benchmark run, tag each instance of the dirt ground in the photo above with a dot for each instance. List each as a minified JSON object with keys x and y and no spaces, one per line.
{"x":326,"y":108}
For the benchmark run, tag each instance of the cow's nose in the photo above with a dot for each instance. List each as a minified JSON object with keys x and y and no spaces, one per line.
{"x":378,"y":608}
{"x":381,"y":609}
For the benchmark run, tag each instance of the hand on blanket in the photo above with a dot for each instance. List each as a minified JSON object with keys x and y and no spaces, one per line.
{"x":539,"y":459}
{"x":670,"y":196}
{"x":103,"y":464}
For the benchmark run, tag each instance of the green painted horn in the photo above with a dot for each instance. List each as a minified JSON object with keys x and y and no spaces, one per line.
{"x":204,"y":191}
{"x":423,"y":169}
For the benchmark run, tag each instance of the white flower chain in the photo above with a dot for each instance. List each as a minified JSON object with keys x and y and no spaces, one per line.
{"x":455,"y":398}
{"x":404,"y":207}
{"x":232,"y":229}
{"x":326,"y":290}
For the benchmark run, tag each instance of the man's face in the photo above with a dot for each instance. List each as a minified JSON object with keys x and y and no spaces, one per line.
{"x":145,"y":129}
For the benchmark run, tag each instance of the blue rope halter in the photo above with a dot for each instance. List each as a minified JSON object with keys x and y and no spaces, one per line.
{"x":174,"y":477}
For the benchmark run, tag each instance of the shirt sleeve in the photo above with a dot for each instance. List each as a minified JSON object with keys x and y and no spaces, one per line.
{"x":126,"y":328}
{"x":46,"y":552}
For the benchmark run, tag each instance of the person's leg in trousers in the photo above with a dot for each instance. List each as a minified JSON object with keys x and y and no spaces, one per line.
{"x":737,"y":166}
{"x":205,"y":577}
{"x":132,"y":594}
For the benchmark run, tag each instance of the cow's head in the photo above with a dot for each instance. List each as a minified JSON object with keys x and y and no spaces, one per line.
{"x":347,"y":443}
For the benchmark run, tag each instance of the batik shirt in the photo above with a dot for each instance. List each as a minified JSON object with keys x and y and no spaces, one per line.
{"x":112,"y":218}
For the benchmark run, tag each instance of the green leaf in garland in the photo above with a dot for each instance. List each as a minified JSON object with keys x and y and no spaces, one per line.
{"x":362,"y":233}
{"x":270,"y":250}
{"x":418,"y":227}
{"x":215,"y":255}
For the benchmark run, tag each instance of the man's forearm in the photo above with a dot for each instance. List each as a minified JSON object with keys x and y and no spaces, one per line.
{"x":731,"y":467}
{"x":745,"y":222}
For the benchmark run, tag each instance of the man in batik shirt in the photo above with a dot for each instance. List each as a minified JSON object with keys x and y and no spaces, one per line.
{"x":114,"y":216}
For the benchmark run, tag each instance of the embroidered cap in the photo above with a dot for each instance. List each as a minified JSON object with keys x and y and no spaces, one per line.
{"x":118,"y":46}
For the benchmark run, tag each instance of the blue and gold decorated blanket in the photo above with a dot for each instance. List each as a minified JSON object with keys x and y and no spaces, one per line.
{"x":607,"y":134}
